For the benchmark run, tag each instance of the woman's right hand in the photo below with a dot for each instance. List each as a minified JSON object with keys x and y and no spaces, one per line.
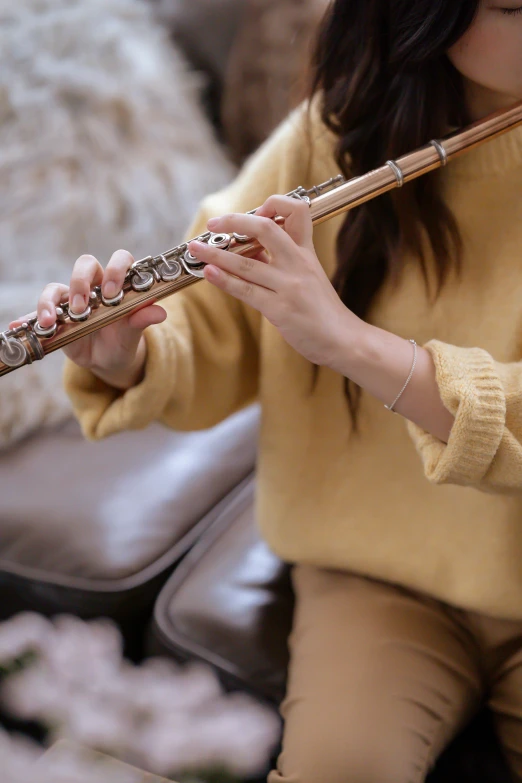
{"x":116,"y":353}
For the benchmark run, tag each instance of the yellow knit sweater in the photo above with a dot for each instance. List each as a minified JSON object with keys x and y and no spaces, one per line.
{"x":395,"y":503}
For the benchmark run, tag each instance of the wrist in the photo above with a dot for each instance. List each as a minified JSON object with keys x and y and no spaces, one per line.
{"x":354,"y":344}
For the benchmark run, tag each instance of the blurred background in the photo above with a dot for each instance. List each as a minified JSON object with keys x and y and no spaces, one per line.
{"x":116,"y":118}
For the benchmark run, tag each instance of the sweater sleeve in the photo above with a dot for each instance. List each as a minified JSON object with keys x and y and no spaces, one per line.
{"x":484,"y":449}
{"x":203,"y":360}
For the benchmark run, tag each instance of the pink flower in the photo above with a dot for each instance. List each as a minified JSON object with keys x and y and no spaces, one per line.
{"x":159,"y":716}
{"x":21,"y":634}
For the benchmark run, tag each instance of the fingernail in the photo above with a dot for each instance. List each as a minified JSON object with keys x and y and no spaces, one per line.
{"x":78,"y":303}
{"x":45,"y":314}
{"x":110,"y":289}
{"x":212,"y":222}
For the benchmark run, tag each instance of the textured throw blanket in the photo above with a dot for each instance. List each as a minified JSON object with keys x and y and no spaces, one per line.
{"x":103,"y":144}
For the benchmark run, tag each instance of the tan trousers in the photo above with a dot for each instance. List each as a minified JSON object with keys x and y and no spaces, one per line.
{"x":382,"y":679}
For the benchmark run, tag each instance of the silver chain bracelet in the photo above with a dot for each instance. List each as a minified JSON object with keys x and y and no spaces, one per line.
{"x":396,"y":400}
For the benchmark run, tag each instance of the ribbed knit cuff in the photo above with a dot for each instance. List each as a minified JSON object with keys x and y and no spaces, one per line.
{"x":471,"y":390}
{"x":103,"y":410}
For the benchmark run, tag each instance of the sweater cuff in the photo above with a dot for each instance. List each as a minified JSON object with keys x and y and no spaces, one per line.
{"x":471,"y":390}
{"x":103,"y":410}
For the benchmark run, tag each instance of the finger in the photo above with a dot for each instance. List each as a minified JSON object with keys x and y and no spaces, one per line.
{"x":146,"y":316}
{"x":298,"y":219}
{"x":114,"y":275}
{"x":296,"y":213}
{"x":249,"y":269}
{"x":87,"y":272}
{"x":52,"y":295}
{"x":137,"y":321}
{"x":23,"y":319}
{"x":271,"y":236}
{"x":256,"y":296}
{"x":262,"y":256}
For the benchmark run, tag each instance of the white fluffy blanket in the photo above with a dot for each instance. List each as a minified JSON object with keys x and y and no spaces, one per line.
{"x":103,"y":144}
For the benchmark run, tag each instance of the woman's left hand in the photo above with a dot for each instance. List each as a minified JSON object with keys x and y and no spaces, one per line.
{"x":285,"y":281}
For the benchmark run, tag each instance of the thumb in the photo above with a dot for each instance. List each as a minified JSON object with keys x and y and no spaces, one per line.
{"x":147,"y":316}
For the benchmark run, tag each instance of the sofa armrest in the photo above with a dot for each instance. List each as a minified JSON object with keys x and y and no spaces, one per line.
{"x":230,"y":602}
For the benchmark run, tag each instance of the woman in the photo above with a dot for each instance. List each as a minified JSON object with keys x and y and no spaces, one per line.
{"x":405,"y":530}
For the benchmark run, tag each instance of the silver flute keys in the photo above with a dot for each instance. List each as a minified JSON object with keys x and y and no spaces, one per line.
{"x":25,"y":343}
{"x":12,"y":351}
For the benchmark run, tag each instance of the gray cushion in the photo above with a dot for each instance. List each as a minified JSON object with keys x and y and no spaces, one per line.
{"x":87,"y":527}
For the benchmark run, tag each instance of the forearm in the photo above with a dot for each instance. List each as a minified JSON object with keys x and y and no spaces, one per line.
{"x":380,"y":363}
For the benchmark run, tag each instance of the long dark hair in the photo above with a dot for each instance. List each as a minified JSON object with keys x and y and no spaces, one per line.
{"x":386,"y":87}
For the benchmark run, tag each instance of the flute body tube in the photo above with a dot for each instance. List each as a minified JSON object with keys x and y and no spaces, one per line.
{"x":155,"y":277}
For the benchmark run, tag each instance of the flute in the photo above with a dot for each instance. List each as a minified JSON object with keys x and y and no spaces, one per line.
{"x":153,"y":278}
